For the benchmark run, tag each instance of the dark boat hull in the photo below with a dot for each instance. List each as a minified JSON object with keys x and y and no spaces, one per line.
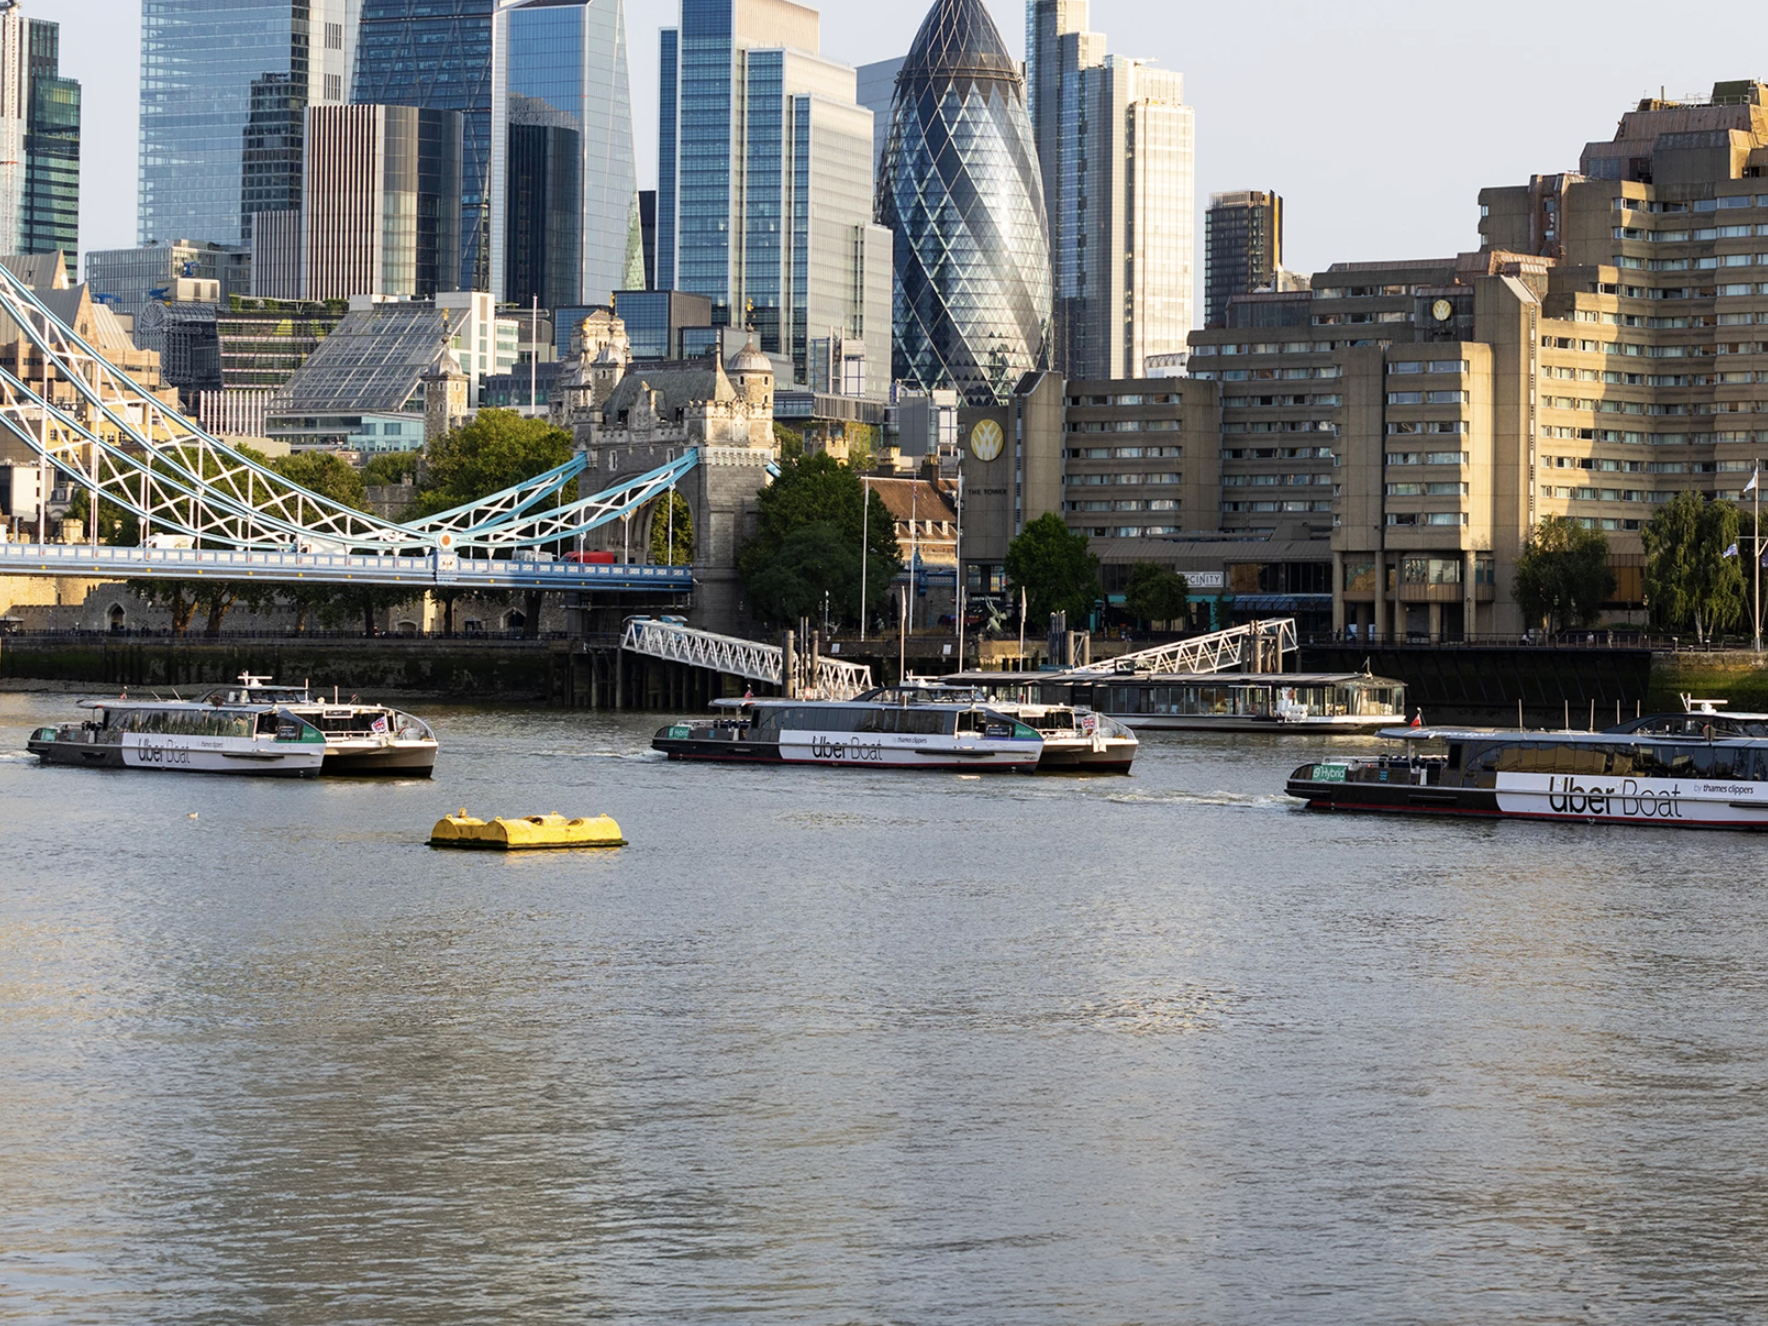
{"x":1471,"y":803}
{"x":391,"y":762}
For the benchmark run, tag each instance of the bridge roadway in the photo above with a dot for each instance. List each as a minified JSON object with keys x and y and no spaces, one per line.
{"x":425,"y":572}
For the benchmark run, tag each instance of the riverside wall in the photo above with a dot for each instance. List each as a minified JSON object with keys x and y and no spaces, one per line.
{"x":492,"y":670}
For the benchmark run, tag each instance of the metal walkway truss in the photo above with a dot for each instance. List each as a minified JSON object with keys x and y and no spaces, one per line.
{"x":750,"y":659}
{"x":1257,"y":643}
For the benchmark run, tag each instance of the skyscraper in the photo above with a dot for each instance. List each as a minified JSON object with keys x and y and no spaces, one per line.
{"x":1115,"y":142}
{"x":437,"y":55}
{"x":877,"y":93}
{"x":1243,"y":248}
{"x":564,"y":196}
{"x":379,"y":206}
{"x":50,"y":218}
{"x":202,"y":61}
{"x":961,"y":189}
{"x":764,"y":200}
{"x":15,"y":114}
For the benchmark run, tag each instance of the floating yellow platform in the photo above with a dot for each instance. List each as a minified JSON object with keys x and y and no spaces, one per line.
{"x":533,"y":832}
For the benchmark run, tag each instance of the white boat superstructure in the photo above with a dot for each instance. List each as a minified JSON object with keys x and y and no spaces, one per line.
{"x":184,"y":736}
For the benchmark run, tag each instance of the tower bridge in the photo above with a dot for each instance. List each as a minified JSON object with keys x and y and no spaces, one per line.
{"x":93,"y":425}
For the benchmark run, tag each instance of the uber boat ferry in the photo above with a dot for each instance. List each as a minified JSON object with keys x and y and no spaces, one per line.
{"x":185,"y":736}
{"x":1283,"y":702}
{"x":964,"y":736}
{"x":1075,"y":740}
{"x":360,"y":739}
{"x":1700,"y":769}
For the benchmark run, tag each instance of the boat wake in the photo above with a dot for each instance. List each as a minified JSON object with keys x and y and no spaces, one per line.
{"x":1242,"y":800}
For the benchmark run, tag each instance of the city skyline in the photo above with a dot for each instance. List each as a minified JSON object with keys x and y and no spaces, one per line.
{"x":1245,"y":133}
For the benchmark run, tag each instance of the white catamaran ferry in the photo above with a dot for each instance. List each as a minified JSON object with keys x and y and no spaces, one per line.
{"x":185,"y":737}
{"x":857,"y":735}
{"x":1701,"y":769}
{"x":365,"y":740}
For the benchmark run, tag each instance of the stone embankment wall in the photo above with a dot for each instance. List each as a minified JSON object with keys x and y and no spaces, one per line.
{"x":483,"y":670}
{"x":1736,"y":676}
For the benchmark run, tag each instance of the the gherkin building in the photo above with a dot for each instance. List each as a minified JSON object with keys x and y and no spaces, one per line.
{"x":959,"y":186}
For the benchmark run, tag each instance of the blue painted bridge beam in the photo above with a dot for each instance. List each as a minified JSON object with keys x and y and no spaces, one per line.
{"x":420,"y":573}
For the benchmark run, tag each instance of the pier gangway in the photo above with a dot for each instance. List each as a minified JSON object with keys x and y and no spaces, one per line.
{"x":749,"y":659}
{"x":1256,"y":646}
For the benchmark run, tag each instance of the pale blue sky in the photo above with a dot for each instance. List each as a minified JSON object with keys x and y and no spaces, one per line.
{"x":1378,"y":121}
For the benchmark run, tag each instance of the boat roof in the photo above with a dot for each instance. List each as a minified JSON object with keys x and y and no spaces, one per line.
{"x":123,"y":702}
{"x":775,"y":702}
{"x":1569,"y":738}
{"x":1167,"y":678}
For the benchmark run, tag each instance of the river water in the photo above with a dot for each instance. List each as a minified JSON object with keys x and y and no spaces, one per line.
{"x":848,"y":1047}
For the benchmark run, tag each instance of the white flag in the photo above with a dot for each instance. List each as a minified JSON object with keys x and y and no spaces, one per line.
{"x":1755,"y":477}
{"x":1730,"y":552}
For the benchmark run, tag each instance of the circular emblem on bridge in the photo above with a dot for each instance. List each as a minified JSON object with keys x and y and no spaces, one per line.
{"x":986,"y":440}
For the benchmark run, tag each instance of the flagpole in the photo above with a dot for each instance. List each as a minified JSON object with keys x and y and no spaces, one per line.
{"x":1756,"y":542}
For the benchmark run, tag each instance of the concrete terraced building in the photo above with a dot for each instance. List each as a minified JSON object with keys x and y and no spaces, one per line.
{"x":1605,"y":350}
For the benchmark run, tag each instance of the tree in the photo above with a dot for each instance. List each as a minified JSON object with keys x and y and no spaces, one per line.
{"x":115,"y":525}
{"x":681,"y":524}
{"x":325,"y":473}
{"x":391,"y":467}
{"x":1054,"y":567}
{"x":1155,"y":594}
{"x":819,"y":490}
{"x":1689,"y":581}
{"x":814,"y":561}
{"x":497,"y":450}
{"x":177,"y":597}
{"x":1563,"y":577}
{"x":790,"y":442}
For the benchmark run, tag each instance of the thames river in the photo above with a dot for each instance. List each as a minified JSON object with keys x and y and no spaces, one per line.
{"x":854,"y":1048}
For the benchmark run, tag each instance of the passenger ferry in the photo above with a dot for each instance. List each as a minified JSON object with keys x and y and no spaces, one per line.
{"x":1345,"y":703}
{"x":1075,"y":740}
{"x":185,"y":736}
{"x":1699,"y":769}
{"x":854,"y":734}
{"x":362,"y":740}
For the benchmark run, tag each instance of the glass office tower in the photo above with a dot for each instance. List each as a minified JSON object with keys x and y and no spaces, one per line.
{"x":52,"y":151}
{"x":764,"y":198}
{"x":961,"y":189}
{"x":200,"y":60}
{"x":437,"y":55}
{"x":564,"y":201}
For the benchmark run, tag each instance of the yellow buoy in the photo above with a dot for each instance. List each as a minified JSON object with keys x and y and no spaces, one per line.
{"x":532,"y":832}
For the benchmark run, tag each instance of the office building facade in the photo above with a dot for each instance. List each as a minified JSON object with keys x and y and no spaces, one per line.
{"x":379,"y":214}
{"x":1242,"y":248}
{"x":223,"y":85}
{"x":1600,"y":354}
{"x":439,"y":57}
{"x":961,"y":191}
{"x":51,"y":218}
{"x":126,"y":279}
{"x":565,"y":225}
{"x":1116,"y":148}
{"x":764,"y":195}
{"x":876,"y":91}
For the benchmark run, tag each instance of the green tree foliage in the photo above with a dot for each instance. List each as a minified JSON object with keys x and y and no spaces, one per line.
{"x":1563,"y":576}
{"x":1155,"y":594}
{"x":325,"y":473}
{"x":497,"y":450}
{"x":681,"y":552}
{"x":391,"y":467}
{"x":1055,"y":569}
{"x":814,"y":560}
{"x":790,"y":442}
{"x":115,"y":525}
{"x":1688,"y":579}
{"x":812,"y":491}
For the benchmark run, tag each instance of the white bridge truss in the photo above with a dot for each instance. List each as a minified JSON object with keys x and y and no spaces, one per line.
{"x":88,"y":421}
{"x":1258,"y":643}
{"x":834,"y":680}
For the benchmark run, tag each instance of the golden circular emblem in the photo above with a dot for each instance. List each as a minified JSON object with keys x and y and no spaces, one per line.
{"x":1442,"y":310}
{"x":986,"y":440}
